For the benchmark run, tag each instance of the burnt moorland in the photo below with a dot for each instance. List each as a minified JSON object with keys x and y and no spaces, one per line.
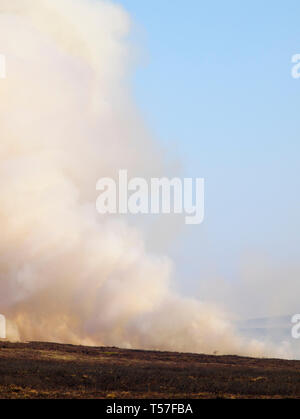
{"x":48,"y":370}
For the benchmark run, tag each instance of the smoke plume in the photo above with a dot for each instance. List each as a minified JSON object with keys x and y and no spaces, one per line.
{"x":67,"y":118}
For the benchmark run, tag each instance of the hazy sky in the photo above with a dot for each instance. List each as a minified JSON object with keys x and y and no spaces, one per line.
{"x":216,"y":86}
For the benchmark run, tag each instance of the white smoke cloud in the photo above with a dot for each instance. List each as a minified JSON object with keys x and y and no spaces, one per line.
{"x":66,"y":119}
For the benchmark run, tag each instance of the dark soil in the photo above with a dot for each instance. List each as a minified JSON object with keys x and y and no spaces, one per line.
{"x":48,"y":370}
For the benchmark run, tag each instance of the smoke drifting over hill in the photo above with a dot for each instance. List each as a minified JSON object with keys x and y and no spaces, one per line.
{"x":66,"y":119}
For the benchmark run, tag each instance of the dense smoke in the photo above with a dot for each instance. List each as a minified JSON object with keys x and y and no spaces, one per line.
{"x":68,"y":274}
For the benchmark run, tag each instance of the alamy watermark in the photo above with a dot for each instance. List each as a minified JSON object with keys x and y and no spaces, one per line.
{"x":157,"y":196}
{"x":296,"y":328}
{"x":296,"y":66}
{"x":2,"y":327}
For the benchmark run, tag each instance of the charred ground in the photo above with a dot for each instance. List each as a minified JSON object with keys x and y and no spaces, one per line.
{"x":48,"y":370}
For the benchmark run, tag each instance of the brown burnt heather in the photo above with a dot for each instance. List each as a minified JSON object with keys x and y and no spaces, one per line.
{"x":48,"y":370}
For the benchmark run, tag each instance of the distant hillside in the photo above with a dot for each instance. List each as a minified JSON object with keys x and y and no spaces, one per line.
{"x":272,"y":329}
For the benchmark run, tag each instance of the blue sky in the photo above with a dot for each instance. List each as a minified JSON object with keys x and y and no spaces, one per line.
{"x":216,"y":86}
